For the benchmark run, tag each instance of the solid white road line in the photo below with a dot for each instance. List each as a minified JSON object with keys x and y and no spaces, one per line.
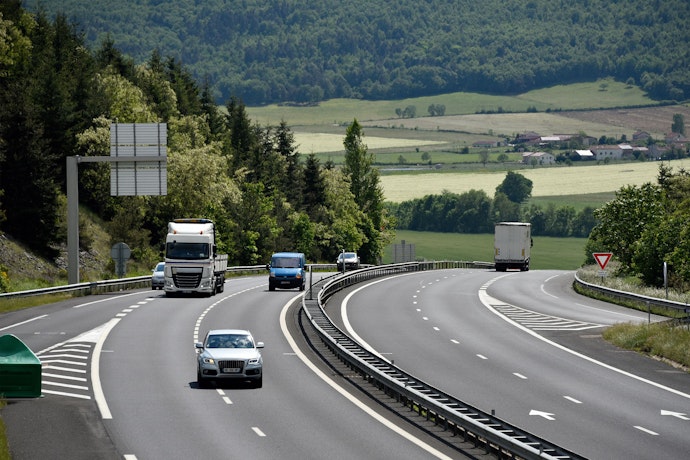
{"x":349,"y":396}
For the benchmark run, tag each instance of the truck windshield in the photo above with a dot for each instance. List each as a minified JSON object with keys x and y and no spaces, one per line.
{"x":189,"y":251}
{"x":285,"y":262}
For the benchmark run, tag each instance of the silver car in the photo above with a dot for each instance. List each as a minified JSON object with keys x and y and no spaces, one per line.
{"x":158,"y":276}
{"x":229,"y":354}
{"x":347,"y":261}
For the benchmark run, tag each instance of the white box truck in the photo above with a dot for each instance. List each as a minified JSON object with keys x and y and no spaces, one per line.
{"x":512,"y":245}
{"x":191,"y":262}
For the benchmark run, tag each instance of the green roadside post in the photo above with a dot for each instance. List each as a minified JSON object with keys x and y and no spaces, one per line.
{"x":20,"y":369}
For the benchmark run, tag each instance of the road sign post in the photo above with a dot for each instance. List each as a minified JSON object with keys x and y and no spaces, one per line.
{"x":602,"y":259}
{"x":139,"y":159}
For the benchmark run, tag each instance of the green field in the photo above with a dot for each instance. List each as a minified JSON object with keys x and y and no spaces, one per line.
{"x":547,"y":253}
{"x":578,"y":96}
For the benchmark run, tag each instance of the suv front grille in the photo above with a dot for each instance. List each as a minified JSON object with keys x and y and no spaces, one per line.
{"x":231,"y":364}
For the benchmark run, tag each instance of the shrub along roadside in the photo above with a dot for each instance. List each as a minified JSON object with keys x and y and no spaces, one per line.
{"x":668,"y":340}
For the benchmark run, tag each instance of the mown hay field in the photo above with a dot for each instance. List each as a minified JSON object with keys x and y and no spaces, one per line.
{"x":325,"y":142}
{"x":546,"y":181}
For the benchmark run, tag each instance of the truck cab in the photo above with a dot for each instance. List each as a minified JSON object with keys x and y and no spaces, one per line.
{"x":287,"y":271}
{"x":191,"y":262}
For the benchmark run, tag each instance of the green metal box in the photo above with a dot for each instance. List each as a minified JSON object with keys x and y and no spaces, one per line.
{"x":20,"y":369}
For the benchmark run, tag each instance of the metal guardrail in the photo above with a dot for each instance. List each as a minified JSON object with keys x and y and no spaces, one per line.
{"x":636,"y":298}
{"x":120,"y":284}
{"x":497,"y":436}
{"x":95,"y":287}
{"x":114,"y":285}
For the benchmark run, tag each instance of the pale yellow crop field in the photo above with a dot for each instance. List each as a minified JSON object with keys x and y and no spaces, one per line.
{"x":323,"y":142}
{"x":551,"y":181}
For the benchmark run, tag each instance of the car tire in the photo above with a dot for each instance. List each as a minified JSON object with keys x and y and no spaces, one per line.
{"x":200,"y":382}
{"x":258,"y":383}
{"x":271,"y":287}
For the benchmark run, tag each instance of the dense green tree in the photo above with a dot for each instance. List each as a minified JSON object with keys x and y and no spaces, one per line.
{"x":253,"y":227}
{"x":108,"y":55}
{"x":505,"y":209}
{"x":367,"y":190}
{"x":285,"y":146}
{"x":185,"y":87}
{"x":472,"y":213}
{"x":209,"y":107}
{"x":343,"y":228}
{"x":623,"y":220}
{"x":516,"y":187}
{"x":313,"y":196}
{"x":242,"y":135}
{"x":654,"y":247}
{"x":678,"y":125}
{"x":29,"y":172}
{"x":583,"y":223}
{"x":159,"y":93}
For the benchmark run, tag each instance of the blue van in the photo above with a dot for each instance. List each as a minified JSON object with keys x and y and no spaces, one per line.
{"x":286,"y":271}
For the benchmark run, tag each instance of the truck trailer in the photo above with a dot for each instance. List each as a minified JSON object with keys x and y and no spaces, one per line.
{"x":191,"y":263}
{"x":512,"y":246}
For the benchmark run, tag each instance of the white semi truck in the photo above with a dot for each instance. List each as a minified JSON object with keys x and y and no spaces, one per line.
{"x":191,"y":262}
{"x":512,"y":245}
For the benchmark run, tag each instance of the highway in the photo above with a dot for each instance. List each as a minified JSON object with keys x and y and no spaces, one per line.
{"x":525,"y":346}
{"x":141,"y":402}
{"x":522,"y":344}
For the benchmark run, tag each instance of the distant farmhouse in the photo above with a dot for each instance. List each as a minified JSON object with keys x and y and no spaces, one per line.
{"x":624,"y":151}
{"x":538,"y":158}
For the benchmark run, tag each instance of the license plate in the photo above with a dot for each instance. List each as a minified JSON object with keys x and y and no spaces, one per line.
{"x":231,"y":370}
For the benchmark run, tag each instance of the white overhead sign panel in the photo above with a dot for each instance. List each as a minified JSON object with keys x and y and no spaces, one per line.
{"x":146,"y":145}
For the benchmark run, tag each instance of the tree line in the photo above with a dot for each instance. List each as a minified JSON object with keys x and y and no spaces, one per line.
{"x":306,"y":51}
{"x":646,"y":227}
{"x":58,"y":99}
{"x":475,"y":212}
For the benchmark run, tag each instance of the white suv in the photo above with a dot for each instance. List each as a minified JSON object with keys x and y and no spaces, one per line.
{"x":229,"y":354}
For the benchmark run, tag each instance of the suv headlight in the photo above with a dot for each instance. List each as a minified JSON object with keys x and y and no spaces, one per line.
{"x":254,"y":361}
{"x":209,"y":361}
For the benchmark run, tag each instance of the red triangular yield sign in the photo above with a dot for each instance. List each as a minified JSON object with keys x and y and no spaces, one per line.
{"x":602,"y":258}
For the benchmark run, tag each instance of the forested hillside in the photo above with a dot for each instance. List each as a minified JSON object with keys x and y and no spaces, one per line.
{"x":305,"y":51}
{"x":58,"y":99}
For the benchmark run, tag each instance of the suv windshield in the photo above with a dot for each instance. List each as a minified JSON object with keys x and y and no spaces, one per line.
{"x":229,"y":341}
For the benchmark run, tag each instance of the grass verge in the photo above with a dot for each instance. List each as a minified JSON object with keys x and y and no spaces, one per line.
{"x":667,"y":341}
